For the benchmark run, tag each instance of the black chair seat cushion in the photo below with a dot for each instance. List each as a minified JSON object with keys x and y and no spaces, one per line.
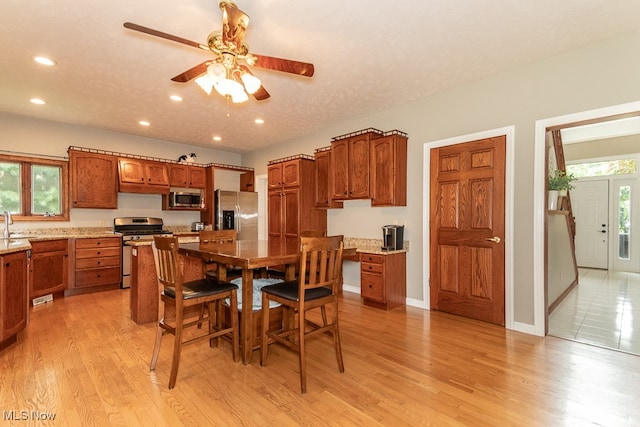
{"x":289,"y":290}
{"x":200,"y":288}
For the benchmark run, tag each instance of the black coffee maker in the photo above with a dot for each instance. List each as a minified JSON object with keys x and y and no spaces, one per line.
{"x":392,"y":237}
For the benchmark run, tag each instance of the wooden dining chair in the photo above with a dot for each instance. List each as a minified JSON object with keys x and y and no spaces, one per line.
{"x":316,"y":288}
{"x":218,"y":237}
{"x":177,"y":296}
{"x":278,"y":272}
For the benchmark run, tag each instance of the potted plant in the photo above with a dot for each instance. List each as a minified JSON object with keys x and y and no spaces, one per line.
{"x":559,"y":184}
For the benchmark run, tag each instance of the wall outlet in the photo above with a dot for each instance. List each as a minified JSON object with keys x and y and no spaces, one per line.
{"x":395,"y":222}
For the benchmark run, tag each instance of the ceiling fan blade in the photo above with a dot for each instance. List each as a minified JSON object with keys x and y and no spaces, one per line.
{"x":284,"y":65}
{"x":192,"y":73}
{"x":234,"y":25}
{"x":151,"y":31}
{"x":261,"y":94}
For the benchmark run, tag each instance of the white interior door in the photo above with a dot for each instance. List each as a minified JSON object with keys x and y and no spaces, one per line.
{"x":590,"y":204}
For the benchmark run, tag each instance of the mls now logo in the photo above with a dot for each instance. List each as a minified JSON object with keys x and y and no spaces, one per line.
{"x":25,"y":415}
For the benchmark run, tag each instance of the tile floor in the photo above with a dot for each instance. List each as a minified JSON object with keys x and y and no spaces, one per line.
{"x":603,"y":310}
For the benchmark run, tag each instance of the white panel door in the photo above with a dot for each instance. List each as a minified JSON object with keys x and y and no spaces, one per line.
{"x":590,"y":204}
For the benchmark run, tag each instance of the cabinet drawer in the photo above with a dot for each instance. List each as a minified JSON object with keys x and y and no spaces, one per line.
{"x":98,"y":252}
{"x":98,"y":276}
{"x":378,"y":259}
{"x":372,"y":287}
{"x":85,"y":263}
{"x":371,"y":268}
{"x":98,"y":242}
{"x":48,"y":246}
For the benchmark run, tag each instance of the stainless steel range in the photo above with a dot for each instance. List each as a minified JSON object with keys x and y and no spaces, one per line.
{"x":135,"y":228}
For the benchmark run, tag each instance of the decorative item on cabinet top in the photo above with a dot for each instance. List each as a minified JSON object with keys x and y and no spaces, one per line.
{"x":356,"y":133}
{"x":188,"y":158}
{"x":294,"y":157}
{"x":157,"y":159}
{"x":369,"y":130}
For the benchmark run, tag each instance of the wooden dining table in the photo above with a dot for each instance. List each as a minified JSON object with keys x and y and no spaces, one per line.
{"x":249,"y":255}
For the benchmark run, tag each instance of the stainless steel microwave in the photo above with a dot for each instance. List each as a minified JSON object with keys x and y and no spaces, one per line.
{"x":182,"y":199}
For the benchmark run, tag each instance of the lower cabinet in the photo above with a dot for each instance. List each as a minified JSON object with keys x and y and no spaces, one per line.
{"x":14,"y":304}
{"x":97,"y":265}
{"x":383,"y":280}
{"x":49,"y":267}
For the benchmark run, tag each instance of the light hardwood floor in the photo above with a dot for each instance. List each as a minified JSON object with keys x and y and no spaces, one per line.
{"x":82,"y":359}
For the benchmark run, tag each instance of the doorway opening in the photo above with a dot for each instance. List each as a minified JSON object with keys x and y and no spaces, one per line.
{"x":540,"y":238}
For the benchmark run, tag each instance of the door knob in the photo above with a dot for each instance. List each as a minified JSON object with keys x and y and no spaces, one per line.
{"x":494,"y":239}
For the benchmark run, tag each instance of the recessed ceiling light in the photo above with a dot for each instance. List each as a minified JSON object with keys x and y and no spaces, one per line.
{"x":44,"y":60}
{"x":217,"y":138}
{"x":259,"y":121}
{"x":37,"y":101}
{"x":176,"y":98}
{"x":144,"y":123}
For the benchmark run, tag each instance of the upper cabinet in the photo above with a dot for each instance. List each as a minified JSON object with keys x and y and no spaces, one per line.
{"x":388,"y":170}
{"x":94,"y":179}
{"x":324,"y":179}
{"x":291,"y":184}
{"x":143,"y":176}
{"x":187,"y":176}
{"x":350,"y":165}
{"x":284,"y":175}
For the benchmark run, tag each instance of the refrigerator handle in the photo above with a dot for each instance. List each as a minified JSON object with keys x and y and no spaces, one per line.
{"x":238,"y":222}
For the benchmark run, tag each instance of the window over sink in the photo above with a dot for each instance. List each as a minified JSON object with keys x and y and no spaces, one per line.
{"x":33,"y":188}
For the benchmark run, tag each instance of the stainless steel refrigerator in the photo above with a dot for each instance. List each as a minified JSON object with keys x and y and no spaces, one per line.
{"x":237,"y":210}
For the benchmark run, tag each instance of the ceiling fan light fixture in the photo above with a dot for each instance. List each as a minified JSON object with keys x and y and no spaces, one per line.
{"x":206,"y":83}
{"x":216,"y":71}
{"x":251,"y":82}
{"x":239,"y":97}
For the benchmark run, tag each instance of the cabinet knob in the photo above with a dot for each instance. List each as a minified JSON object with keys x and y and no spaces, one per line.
{"x":98,"y":252}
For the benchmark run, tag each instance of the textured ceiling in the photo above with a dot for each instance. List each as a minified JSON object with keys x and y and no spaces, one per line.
{"x":369,"y":55}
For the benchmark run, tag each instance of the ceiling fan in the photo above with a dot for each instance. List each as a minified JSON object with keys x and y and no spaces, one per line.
{"x":228,"y":72}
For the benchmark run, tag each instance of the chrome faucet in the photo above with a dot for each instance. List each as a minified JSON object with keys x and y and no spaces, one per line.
{"x":7,"y":220}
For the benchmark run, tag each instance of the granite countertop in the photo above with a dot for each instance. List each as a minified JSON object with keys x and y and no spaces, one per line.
{"x":20,"y":239}
{"x":11,"y":245}
{"x":370,"y":246}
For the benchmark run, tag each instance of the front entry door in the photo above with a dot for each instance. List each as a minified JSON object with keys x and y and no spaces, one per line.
{"x":467,"y":274}
{"x":590,"y":205}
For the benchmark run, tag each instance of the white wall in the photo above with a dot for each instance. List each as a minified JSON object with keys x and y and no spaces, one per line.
{"x":596,"y":76}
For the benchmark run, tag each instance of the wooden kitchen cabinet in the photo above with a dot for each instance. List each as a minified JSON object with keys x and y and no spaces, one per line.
{"x":143,"y":176}
{"x":383,"y":280}
{"x":94,"y":180}
{"x":285,"y":174}
{"x":291,"y":198}
{"x":324,"y":179}
{"x":187,"y":176}
{"x":97,"y":265}
{"x":49,"y":267}
{"x":14,"y":304}
{"x":350,"y":165}
{"x":388,"y":169}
